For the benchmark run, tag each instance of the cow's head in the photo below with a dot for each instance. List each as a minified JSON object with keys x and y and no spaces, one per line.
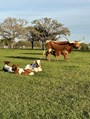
{"x":14,"y":67}
{"x":76,"y":44}
{"x":6,"y":62}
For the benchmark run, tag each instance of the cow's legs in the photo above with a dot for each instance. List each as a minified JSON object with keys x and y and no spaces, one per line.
{"x":56,"y":58}
{"x":65,"y":56}
{"x":48,"y":55}
{"x":65,"y":53}
{"x":57,"y":54}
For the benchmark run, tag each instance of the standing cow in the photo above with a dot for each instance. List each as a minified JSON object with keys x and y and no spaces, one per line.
{"x":60,"y":48}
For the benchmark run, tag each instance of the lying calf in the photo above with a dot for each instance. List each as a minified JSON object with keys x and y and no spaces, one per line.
{"x":36,"y":66}
{"x":6,"y":67}
{"x":21,"y":71}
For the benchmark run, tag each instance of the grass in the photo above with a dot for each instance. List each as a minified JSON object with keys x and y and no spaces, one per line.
{"x":60,"y":91}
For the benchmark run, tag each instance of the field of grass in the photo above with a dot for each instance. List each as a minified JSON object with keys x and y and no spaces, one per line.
{"x":60,"y":91}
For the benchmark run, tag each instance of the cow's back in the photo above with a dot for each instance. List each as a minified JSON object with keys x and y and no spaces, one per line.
{"x":58,"y":45}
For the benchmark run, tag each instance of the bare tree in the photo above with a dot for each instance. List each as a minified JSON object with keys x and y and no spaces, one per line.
{"x":12,"y":28}
{"x":49,"y":29}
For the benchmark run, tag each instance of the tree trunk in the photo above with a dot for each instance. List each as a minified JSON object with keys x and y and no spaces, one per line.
{"x":43,"y":45}
{"x":32,"y":43}
{"x":10,"y":43}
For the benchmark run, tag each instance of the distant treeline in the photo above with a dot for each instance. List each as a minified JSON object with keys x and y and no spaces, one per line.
{"x":37,"y":45}
{"x":34,"y":34}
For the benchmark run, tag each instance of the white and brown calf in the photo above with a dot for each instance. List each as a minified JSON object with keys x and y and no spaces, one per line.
{"x":6,"y":67}
{"x":21,"y":71}
{"x":35,"y":66}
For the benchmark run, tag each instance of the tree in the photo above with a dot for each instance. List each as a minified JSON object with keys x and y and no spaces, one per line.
{"x":22,"y":44}
{"x":85,"y":46}
{"x":12,"y":28}
{"x":32,"y":34}
{"x":49,"y":29}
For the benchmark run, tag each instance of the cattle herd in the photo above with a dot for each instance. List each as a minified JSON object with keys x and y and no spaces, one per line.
{"x":55,"y":48}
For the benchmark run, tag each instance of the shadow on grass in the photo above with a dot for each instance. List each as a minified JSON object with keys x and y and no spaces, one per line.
{"x":25,"y":58}
{"x":1,"y":70}
{"x":34,"y":58}
{"x":32,"y":53}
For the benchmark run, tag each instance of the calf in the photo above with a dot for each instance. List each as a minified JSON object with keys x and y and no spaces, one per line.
{"x":21,"y":71}
{"x":6,"y":67}
{"x":35,"y":66}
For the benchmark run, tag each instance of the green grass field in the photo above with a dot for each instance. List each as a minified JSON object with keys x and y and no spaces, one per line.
{"x":60,"y":91}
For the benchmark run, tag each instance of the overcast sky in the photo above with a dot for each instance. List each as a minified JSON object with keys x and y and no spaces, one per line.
{"x":74,"y":14}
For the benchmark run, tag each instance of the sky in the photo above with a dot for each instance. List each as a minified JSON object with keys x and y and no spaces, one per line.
{"x":74,"y":14}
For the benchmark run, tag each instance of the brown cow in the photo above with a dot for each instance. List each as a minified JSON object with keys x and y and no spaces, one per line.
{"x":60,"y":48}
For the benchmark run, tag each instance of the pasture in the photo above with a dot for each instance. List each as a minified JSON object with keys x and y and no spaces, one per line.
{"x":60,"y":91}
